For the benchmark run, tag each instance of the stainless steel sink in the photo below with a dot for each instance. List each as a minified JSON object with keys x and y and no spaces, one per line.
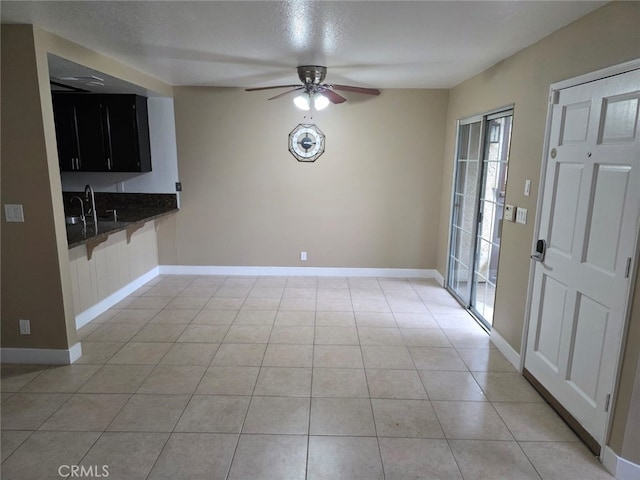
{"x":73,"y":219}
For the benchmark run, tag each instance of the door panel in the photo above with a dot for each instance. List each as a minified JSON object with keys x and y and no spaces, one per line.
{"x":584,"y":365}
{"x":611,"y":183}
{"x":554,"y":297}
{"x":620,"y":119}
{"x":589,"y":217}
{"x":566,"y":194}
{"x":575,"y":123}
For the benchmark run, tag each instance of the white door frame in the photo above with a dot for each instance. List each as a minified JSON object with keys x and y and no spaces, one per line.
{"x":553,"y":90}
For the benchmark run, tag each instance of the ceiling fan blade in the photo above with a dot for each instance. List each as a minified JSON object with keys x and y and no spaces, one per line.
{"x":286,"y":93}
{"x":270,"y":88}
{"x":349,"y":88}
{"x":332,"y":96}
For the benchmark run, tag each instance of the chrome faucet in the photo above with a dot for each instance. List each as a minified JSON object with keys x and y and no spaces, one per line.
{"x":88,"y":193}
{"x":82,"y":217}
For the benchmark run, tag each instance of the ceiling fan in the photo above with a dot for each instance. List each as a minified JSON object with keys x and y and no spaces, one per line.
{"x":313,"y":91}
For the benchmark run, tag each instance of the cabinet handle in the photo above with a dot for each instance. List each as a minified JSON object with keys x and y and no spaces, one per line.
{"x":108,"y":118}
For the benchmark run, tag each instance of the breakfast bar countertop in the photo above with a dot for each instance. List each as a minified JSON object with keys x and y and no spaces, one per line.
{"x":77,"y":235}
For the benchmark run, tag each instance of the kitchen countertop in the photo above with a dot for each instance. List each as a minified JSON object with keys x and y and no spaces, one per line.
{"x":127,"y":218}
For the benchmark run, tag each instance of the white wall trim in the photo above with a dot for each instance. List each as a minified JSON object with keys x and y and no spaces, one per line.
{"x":619,"y":467}
{"x":41,"y":356}
{"x":75,"y":352}
{"x":506,"y":349}
{"x":92,"y":312}
{"x":439,"y":278}
{"x":297,"y":271}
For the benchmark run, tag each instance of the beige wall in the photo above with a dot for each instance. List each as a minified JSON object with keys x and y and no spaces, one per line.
{"x":36,"y":282}
{"x":32,"y":286}
{"x":371,"y":200}
{"x":606,"y":37}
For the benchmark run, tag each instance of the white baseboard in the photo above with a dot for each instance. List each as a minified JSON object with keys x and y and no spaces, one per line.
{"x":506,"y":349}
{"x":92,"y":312}
{"x":41,"y":356}
{"x":297,"y":271}
{"x":619,"y":467}
{"x":439,"y":278}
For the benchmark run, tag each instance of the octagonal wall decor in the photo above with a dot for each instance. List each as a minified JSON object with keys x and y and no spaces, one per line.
{"x":306,"y":142}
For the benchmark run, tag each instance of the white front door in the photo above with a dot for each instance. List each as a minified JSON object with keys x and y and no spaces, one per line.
{"x":589,"y":220}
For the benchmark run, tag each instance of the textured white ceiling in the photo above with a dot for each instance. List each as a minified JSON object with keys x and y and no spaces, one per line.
{"x":385,"y":44}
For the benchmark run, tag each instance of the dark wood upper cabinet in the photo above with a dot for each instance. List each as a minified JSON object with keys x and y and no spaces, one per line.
{"x":64,"y":114}
{"x":102,"y":133}
{"x":90,"y":131}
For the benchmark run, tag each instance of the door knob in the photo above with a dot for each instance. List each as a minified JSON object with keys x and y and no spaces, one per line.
{"x":541,"y":249}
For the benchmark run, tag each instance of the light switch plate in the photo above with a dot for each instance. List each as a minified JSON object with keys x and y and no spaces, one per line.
{"x":13,"y":213}
{"x":521,"y":215}
{"x":527,"y":187}
{"x":509,"y":213}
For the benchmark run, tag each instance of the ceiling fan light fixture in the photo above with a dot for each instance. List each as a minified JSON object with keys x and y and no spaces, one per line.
{"x":320,"y":102}
{"x":302,"y":101}
{"x":313,"y":94}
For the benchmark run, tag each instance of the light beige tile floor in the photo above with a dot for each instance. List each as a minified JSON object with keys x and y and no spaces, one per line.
{"x":285,"y":378}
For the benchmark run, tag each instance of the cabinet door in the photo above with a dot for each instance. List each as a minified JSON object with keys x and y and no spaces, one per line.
{"x":66,"y":133}
{"x":91,"y":138}
{"x":127,"y":131}
{"x":102,"y":133}
{"x":122,"y":134}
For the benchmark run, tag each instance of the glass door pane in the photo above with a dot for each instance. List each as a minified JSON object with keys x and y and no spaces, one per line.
{"x":463,"y":223}
{"x":491,"y":206}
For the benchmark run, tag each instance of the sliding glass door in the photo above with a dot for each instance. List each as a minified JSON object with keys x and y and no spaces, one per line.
{"x":478,"y":203}
{"x":463,"y":221}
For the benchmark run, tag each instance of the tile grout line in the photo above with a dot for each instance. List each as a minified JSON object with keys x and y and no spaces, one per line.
{"x":255,"y":384}
{"x":186,"y":404}
{"x":446,"y":439}
{"x":373,"y":417}
{"x":313,"y":350}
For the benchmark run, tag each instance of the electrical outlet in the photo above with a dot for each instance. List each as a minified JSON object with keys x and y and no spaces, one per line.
{"x":25,"y":327}
{"x":13,"y":213}
{"x":303,"y":256}
{"x":521,"y":215}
